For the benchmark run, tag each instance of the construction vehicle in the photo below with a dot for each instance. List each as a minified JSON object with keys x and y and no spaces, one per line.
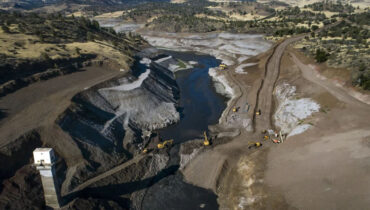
{"x":254,"y":145}
{"x":223,"y":66}
{"x":258,"y":112}
{"x":165,"y":143}
{"x":144,"y":151}
{"x":266,"y":137}
{"x":206,"y":141}
{"x":276,"y":141}
{"x":236,"y":109}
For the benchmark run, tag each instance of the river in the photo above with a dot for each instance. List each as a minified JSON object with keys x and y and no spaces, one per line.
{"x":199,"y":105}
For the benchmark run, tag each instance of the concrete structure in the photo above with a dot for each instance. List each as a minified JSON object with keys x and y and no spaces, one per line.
{"x":44,"y":160}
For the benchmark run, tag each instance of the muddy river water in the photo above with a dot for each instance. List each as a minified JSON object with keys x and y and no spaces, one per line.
{"x":199,"y":106}
{"x":199,"y":103}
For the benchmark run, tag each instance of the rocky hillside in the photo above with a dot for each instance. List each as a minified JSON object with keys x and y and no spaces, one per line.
{"x":103,"y":127}
{"x":100,"y":128}
{"x":36,"y":47}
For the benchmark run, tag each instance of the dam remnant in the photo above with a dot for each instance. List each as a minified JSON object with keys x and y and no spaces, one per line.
{"x":44,"y":160}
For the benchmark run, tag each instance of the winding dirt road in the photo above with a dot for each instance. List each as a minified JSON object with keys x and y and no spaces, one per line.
{"x":265,"y":93}
{"x":204,"y":170}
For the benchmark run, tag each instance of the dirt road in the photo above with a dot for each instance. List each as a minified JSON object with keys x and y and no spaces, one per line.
{"x":205,"y":168}
{"x":41,"y":103}
{"x":326,"y":167}
{"x":265,"y":93}
{"x":108,"y":173}
{"x":309,"y":163}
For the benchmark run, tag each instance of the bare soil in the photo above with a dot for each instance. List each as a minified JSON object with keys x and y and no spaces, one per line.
{"x":323,"y":168}
{"x":41,"y":103}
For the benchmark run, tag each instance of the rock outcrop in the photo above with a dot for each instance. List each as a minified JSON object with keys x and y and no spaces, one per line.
{"x":107,"y":121}
{"x":102,"y":128}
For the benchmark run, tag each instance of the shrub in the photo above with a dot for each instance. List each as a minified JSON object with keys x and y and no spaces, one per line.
{"x":321,"y":56}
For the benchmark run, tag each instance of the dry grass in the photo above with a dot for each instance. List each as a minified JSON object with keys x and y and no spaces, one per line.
{"x":111,"y":14}
{"x":320,"y":25}
{"x":29,"y":47}
{"x":328,"y":14}
{"x":246,"y":17}
{"x":21,"y":45}
{"x":103,"y":49}
{"x":178,"y":1}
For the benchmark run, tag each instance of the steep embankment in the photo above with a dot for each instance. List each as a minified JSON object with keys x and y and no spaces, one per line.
{"x":92,"y":131}
{"x":108,"y":120}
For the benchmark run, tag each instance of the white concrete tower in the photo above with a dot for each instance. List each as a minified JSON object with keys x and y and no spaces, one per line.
{"x":44,"y":161}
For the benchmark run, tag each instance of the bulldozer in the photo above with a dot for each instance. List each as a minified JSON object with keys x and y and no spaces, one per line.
{"x":164,"y":144}
{"x":206,"y":141}
{"x":255,"y":145}
{"x":223,"y":66}
{"x":235,"y":109}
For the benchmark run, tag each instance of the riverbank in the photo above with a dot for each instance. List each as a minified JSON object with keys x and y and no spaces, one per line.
{"x":245,"y":178}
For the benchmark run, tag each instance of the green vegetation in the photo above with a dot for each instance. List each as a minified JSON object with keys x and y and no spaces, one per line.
{"x":331,"y":6}
{"x":57,"y":28}
{"x":321,"y":55}
{"x":186,"y":24}
{"x":360,"y":18}
{"x":146,"y":11}
{"x":344,"y":46}
{"x":241,"y":17}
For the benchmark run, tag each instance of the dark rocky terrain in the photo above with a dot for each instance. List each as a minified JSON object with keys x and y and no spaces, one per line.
{"x":95,"y":134}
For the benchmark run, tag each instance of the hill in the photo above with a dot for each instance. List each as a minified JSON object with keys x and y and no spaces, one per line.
{"x":33,"y":4}
{"x":36,"y":47}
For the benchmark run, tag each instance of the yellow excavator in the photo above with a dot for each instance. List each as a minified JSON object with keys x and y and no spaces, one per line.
{"x":223,"y":66}
{"x":206,"y":141}
{"x":236,"y":109}
{"x":254,"y":145}
{"x":165,"y":143}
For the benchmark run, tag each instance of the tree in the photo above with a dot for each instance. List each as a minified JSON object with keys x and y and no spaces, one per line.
{"x":78,"y":50}
{"x":5,"y":28}
{"x":321,"y":56}
{"x":90,"y":36}
{"x":314,"y":27}
{"x":44,"y":56}
{"x":95,"y":24}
